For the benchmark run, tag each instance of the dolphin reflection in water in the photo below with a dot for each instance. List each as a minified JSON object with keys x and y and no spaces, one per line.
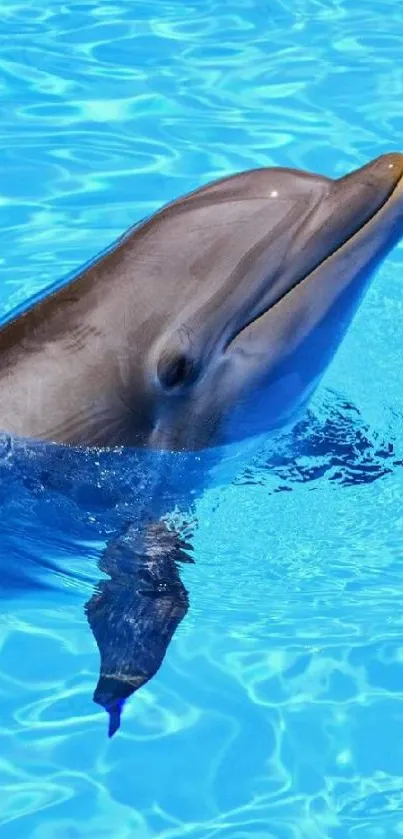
{"x":207,"y":325}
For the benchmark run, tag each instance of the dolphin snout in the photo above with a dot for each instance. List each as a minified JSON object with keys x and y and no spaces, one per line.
{"x":382,"y":175}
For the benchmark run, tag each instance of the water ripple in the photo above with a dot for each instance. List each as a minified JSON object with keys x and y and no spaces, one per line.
{"x":277,"y":712}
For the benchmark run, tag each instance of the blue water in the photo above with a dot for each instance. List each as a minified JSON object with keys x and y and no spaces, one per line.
{"x":277,"y":713}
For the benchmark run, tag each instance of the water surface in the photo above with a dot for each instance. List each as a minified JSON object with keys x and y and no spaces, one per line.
{"x":277,"y":713}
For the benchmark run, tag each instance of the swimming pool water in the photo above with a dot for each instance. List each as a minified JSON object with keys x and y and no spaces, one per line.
{"x":277,"y":713}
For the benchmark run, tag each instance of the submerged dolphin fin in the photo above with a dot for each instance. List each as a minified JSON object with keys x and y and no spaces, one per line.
{"x":134,"y":614}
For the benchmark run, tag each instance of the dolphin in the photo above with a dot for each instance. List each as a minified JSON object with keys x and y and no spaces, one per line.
{"x":244,"y":286}
{"x":208,"y":324}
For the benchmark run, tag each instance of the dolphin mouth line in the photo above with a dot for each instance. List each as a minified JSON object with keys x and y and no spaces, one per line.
{"x":233,"y":337}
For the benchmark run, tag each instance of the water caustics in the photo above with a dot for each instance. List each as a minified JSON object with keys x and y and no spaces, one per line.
{"x":276,"y":710}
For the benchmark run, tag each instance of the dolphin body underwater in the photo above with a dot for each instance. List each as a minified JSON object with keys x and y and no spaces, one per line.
{"x":210,"y":323}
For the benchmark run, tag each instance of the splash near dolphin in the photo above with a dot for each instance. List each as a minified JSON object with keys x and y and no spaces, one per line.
{"x":211,"y":322}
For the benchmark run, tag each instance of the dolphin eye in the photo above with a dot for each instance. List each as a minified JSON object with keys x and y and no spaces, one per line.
{"x":176,"y":371}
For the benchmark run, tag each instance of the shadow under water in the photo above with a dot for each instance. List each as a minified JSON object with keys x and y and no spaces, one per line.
{"x":124,"y":500}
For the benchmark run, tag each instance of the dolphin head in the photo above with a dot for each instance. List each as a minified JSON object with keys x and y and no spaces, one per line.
{"x":210,"y":322}
{"x":272,"y":265}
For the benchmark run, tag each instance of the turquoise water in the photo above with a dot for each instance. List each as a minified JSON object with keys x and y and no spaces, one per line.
{"x":277,"y":712}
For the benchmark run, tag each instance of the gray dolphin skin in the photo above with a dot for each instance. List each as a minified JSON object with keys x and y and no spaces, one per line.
{"x":242,"y":289}
{"x":208,"y":323}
